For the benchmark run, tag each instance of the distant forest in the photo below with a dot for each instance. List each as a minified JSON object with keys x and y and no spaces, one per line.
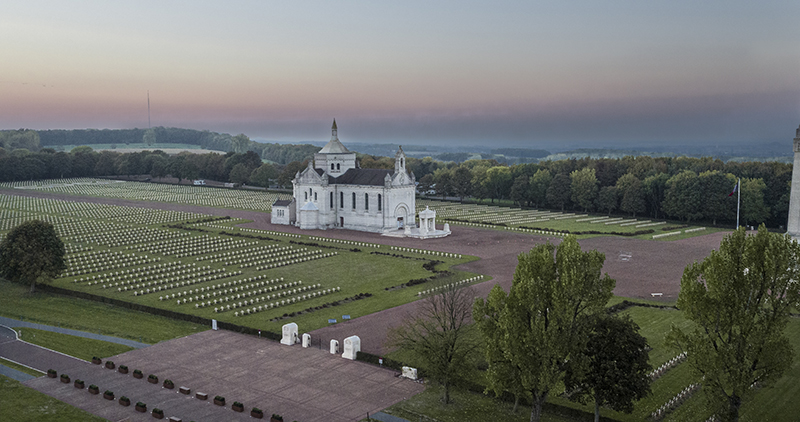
{"x":681,"y":188}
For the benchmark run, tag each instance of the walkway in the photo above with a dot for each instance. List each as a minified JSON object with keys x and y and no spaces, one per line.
{"x":8,"y":322}
{"x":308,"y":385}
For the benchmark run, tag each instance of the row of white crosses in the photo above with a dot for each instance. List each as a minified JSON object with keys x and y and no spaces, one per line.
{"x":114,"y":260}
{"x":191,"y":246}
{"x":174,"y":280}
{"x":240,"y":292}
{"x":455,"y":283}
{"x":220,"y":274}
{"x":282,"y":256}
{"x":346,"y":242}
{"x":224,"y":288}
{"x":269,"y":232}
{"x":277,"y":304}
{"x":127,"y":236}
{"x":255,"y":200}
{"x":139,"y":274}
{"x":316,"y":255}
{"x":249,"y":252}
{"x":676,"y":401}
{"x":663,"y":368}
{"x":426,"y":252}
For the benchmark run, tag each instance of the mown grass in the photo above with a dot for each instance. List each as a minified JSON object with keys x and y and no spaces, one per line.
{"x":79,"y":347}
{"x":19,"y":403}
{"x":18,"y":367}
{"x":85,"y":315}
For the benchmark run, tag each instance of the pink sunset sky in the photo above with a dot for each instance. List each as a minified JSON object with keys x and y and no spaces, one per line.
{"x":513,"y":73}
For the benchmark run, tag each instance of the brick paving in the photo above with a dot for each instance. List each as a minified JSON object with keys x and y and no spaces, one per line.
{"x":308,"y":385}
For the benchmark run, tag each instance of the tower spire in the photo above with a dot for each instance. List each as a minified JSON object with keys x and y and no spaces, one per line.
{"x":334,"y":131}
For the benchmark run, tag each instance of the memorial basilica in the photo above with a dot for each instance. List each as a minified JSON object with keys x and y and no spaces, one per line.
{"x":333,"y":192}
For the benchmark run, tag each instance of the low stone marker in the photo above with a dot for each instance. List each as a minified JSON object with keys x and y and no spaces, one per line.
{"x":289,"y":334}
{"x":185,"y":390}
{"x":352,"y":345}
{"x":334,"y":347}
{"x":201,"y":396}
{"x":306,"y":340}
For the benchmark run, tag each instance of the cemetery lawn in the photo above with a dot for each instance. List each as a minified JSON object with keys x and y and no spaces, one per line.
{"x":86,"y":315}
{"x":23,"y":404}
{"x":79,"y":347}
{"x":25,"y":369}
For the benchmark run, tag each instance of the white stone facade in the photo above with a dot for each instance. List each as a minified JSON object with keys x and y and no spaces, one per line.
{"x":793,"y":225}
{"x":334,"y":193}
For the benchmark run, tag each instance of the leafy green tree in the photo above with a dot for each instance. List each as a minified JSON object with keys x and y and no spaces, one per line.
{"x":584,"y":187}
{"x":425,"y":183}
{"x":438,"y":336}
{"x":616,"y":365}
{"x":31,"y":252}
{"x":654,"y":188}
{"x":262,"y":175}
{"x":740,"y":298}
{"x":444,"y":182}
{"x":607,"y":199}
{"x":240,"y":143}
{"x":240,"y":174}
{"x":716,"y":187}
{"x":632,"y":191}
{"x":538,"y":185}
{"x":504,"y":375}
{"x":520,"y":189}
{"x":497,"y":182}
{"x":558,"y":193}
{"x":289,"y":172}
{"x":753,"y":211}
{"x":461,"y":180}
{"x":683,"y":198}
{"x":545,"y":318}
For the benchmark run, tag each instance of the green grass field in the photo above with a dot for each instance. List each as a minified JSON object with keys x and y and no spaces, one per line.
{"x":79,"y":347}
{"x":25,"y":369}
{"x":19,"y":403}
{"x":85,"y":315}
{"x":100,"y":147}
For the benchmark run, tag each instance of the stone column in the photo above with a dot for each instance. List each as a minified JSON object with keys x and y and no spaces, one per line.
{"x":793,"y":225}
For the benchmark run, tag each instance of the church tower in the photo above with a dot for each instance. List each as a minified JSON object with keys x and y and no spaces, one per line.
{"x":400,"y":161}
{"x":793,"y":225}
{"x":334,"y":158}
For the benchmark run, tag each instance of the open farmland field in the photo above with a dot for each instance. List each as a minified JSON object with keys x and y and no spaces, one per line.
{"x":140,"y":191}
{"x":554,"y":223}
{"x":201,"y":265}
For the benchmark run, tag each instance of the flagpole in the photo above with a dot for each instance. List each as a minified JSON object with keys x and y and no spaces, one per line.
{"x":738,"y":199}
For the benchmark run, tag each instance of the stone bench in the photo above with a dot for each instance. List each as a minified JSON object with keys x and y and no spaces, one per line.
{"x":201,"y":396}
{"x":185,"y":390}
{"x":656,"y":294}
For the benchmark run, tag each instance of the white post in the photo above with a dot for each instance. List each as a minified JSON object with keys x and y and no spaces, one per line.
{"x":738,"y":200}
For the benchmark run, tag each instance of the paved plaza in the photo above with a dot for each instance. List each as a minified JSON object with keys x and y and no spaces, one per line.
{"x":300,"y":384}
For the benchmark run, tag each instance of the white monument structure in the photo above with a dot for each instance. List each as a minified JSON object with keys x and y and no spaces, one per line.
{"x":289,"y":334}
{"x":352,"y":345}
{"x":334,"y":192}
{"x":334,"y":347}
{"x":793,"y":225}
{"x":306,"y":340}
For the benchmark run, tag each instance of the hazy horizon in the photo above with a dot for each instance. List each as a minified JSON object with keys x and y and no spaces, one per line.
{"x":511,"y":74}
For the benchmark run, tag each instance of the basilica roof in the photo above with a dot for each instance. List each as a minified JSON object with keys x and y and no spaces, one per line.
{"x":334,"y":147}
{"x":370,"y":177}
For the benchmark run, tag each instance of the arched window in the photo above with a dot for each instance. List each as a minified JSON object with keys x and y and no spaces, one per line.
{"x":401,"y":162}
{"x":306,"y":196}
{"x":331,"y":166}
{"x":380,"y":203}
{"x":354,"y":200}
{"x":331,"y":199}
{"x":315,"y":197}
{"x":337,"y":166}
{"x":341,"y":199}
{"x":366,"y":201}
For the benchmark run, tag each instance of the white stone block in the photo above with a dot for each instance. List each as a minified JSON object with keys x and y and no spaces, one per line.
{"x":334,"y":347}
{"x":352,"y":345}
{"x":409,"y":372}
{"x":306,"y":340}
{"x":289,"y":334}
